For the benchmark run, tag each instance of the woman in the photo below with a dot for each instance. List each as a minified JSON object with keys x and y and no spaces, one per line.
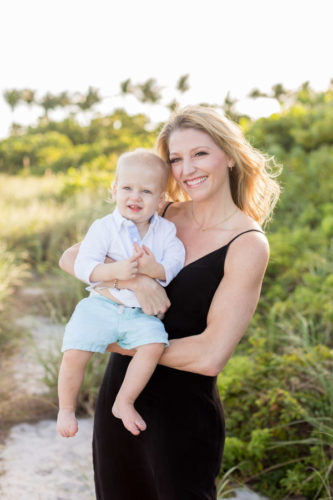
{"x":226,"y":192}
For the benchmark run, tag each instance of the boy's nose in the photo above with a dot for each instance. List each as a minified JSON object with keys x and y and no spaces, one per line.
{"x":135,"y":195}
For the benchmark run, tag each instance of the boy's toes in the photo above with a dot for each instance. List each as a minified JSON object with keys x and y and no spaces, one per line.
{"x":67,"y":425}
{"x":141,"y":424}
{"x":135,"y":425}
{"x":133,"y":428}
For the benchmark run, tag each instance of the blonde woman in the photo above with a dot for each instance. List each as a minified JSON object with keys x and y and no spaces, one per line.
{"x":221,"y":193}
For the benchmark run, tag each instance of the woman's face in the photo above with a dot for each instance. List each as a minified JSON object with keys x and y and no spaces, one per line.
{"x":199,"y":166}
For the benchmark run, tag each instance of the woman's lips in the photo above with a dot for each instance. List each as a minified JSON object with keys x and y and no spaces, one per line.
{"x":193,"y":183}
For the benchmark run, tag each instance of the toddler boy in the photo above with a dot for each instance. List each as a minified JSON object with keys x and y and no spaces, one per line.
{"x":138,"y":241}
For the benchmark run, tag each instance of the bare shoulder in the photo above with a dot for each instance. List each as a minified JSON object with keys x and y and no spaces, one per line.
{"x":174,"y":210}
{"x":249,"y":252}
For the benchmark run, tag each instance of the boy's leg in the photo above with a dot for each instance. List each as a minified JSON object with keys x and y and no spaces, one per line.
{"x":69,"y":382}
{"x":137,"y":375}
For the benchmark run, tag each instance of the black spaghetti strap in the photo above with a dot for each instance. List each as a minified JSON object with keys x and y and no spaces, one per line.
{"x":166,"y":208}
{"x":248,"y":231}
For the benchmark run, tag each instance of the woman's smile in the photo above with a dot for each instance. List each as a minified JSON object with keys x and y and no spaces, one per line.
{"x":196,"y":181}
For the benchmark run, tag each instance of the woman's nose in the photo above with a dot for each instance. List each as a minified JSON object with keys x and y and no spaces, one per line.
{"x":188,"y":166}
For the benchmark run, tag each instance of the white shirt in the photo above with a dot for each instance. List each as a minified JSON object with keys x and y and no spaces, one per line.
{"x":114,"y":235}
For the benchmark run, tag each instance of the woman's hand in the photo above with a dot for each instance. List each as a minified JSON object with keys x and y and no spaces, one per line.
{"x":151,"y":295}
{"x":115,"y":347}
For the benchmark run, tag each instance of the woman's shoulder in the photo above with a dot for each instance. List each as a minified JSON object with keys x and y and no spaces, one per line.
{"x":249,"y":237}
{"x":248,"y":249}
{"x":173,"y":209}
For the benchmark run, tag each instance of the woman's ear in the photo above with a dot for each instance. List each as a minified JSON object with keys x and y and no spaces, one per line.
{"x":231,"y":163}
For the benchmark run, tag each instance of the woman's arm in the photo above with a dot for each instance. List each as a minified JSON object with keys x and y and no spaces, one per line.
{"x":150,"y":294}
{"x":66,"y":261}
{"x":232,"y":308}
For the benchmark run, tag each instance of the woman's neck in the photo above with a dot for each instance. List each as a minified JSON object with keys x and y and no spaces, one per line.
{"x":217,"y":208}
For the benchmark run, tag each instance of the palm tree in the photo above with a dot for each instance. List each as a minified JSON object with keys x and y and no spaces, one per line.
{"x":228,"y":107}
{"x":255,"y":93}
{"x":28,"y":96}
{"x":147,"y":91}
{"x":183,"y":84}
{"x":12,"y":98}
{"x":47,"y":102}
{"x":89,"y":100}
{"x":126,"y":87}
{"x":279,"y":92}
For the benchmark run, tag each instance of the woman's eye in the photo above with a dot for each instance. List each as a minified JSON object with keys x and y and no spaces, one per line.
{"x":174,"y":160}
{"x":200,"y":153}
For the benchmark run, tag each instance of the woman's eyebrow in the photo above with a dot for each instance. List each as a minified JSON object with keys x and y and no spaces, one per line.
{"x":200,"y":147}
{"x":193,"y":149}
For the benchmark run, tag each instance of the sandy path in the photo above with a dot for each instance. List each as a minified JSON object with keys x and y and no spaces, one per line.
{"x":35,"y":462}
{"x":38,"y":464}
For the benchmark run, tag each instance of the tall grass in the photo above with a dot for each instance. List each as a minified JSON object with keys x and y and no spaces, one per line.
{"x":38,"y":223}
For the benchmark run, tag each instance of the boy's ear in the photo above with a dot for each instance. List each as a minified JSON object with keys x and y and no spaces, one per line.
{"x":114,"y":191}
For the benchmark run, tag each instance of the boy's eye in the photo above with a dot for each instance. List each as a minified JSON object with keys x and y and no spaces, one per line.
{"x":146,"y":191}
{"x":127,"y":188}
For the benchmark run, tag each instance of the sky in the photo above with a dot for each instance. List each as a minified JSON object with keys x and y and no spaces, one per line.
{"x":225,"y":46}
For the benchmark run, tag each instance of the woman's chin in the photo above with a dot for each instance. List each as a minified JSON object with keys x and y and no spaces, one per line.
{"x":198,"y":195}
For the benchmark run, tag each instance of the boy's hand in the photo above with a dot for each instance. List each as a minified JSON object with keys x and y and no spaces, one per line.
{"x":127,"y":269}
{"x":147,"y":263}
{"x":121,"y":269}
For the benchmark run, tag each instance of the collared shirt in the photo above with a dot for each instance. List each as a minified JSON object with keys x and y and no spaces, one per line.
{"x":114,"y":235}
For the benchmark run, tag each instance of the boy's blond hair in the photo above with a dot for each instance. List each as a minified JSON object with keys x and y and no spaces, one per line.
{"x":147,"y":158}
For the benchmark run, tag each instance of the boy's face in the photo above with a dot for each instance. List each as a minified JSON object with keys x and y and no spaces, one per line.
{"x":138,"y":191}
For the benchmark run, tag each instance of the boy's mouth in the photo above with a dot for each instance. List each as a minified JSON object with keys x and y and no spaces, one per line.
{"x":134,"y":208}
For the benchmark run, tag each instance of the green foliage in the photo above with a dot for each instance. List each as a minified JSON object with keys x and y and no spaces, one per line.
{"x":274,"y":416}
{"x":13,"y":270}
{"x":57,"y":146}
{"x":278,"y":389}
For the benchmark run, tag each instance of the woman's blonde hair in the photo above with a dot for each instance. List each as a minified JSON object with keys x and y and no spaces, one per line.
{"x":252,"y":183}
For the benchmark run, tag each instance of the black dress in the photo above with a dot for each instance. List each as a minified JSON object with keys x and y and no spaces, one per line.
{"x":179,"y":455}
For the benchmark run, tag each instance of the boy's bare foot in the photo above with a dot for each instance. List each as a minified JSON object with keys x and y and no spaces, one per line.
{"x":130,"y":417}
{"x":67,"y":424}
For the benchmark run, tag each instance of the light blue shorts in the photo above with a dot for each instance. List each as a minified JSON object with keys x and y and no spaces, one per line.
{"x":97,"y":322}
